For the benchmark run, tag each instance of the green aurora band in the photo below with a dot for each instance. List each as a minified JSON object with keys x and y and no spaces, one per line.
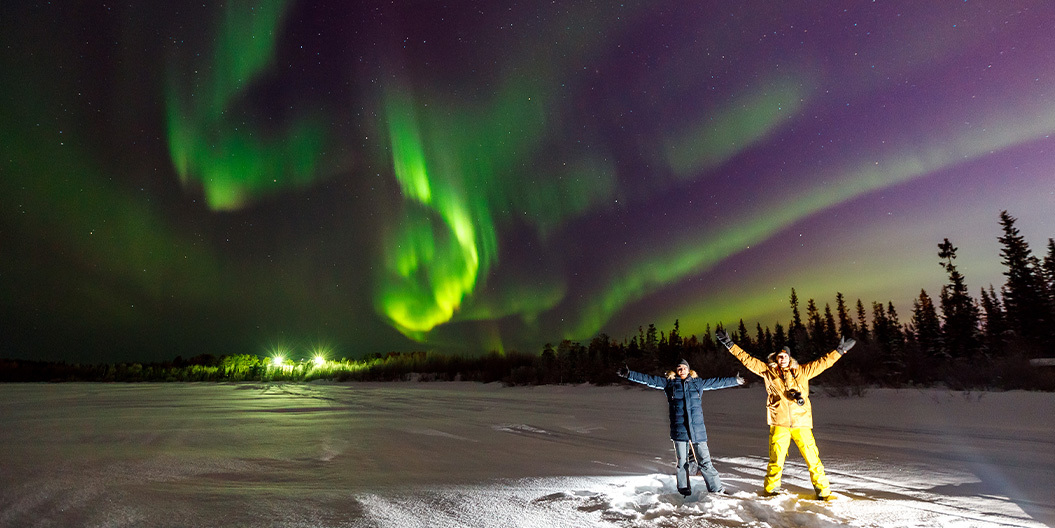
{"x":212,"y":138}
{"x":446,"y":240}
{"x":437,"y":259}
{"x":454,"y":163}
{"x":993,"y":131}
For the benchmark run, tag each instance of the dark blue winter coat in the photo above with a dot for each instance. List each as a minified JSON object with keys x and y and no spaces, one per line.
{"x":683,"y":398}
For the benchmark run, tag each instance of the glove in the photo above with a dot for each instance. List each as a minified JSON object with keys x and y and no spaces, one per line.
{"x":739,"y":379}
{"x":845,"y":344}
{"x":623,"y":371}
{"x":723,"y":338}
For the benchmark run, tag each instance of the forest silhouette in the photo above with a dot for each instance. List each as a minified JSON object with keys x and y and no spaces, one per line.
{"x":993,"y":341}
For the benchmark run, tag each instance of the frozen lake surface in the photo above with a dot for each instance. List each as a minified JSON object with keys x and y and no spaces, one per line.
{"x":463,"y":454}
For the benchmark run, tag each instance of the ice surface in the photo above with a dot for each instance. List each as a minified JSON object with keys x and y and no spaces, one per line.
{"x":463,"y":454}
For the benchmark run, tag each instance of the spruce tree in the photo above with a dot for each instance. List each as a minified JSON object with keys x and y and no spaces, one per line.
{"x":928,"y":326}
{"x":1049,"y":267}
{"x":995,"y":327}
{"x":633,"y":350}
{"x":780,"y":339}
{"x":1048,"y":274}
{"x":674,"y":340}
{"x":651,"y":340}
{"x":961,"y":331}
{"x":1026,"y":302}
{"x":744,"y":338}
{"x":815,"y":327}
{"x":862,"y":323}
{"x":846,"y":325}
{"x":880,"y":327}
{"x":797,"y":335}
{"x":760,"y":339}
{"x":692,"y":346}
{"x":829,"y":328}
{"x":707,"y":343}
{"x":895,"y":343}
{"x":895,"y":333}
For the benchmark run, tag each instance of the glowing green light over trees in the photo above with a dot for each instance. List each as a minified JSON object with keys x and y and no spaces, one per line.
{"x":434,"y":254}
{"x":458,"y":168}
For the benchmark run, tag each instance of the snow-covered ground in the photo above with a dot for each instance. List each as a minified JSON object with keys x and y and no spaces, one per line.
{"x":463,"y":454}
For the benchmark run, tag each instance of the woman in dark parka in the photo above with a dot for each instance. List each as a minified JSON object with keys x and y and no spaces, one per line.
{"x":684,"y":389}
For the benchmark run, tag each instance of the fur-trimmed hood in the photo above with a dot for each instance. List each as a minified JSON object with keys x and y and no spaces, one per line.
{"x":771,"y":359}
{"x":671,"y":374}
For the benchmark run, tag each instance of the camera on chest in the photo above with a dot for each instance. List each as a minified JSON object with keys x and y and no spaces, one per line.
{"x":794,"y":394}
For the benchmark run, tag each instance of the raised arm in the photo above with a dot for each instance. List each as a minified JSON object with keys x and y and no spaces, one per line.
{"x":721,"y":383}
{"x":752,"y":363}
{"x":815,"y":367}
{"x":656,"y":382}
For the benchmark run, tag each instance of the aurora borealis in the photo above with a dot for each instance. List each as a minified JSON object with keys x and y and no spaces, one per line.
{"x":180,"y":179}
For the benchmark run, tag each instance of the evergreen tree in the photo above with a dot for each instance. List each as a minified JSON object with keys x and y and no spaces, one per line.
{"x":633,"y":349}
{"x":667,"y":355}
{"x":760,"y":338}
{"x":569,"y":356}
{"x":1049,"y":268}
{"x":862,"y":323}
{"x":1025,"y":294}
{"x":601,"y":355}
{"x":707,"y":343}
{"x":651,"y":340}
{"x":744,"y":338}
{"x":995,"y":328}
{"x":675,"y":339}
{"x":797,"y":335}
{"x":962,"y":318}
{"x":780,"y":339}
{"x":1048,"y":275}
{"x":928,"y":326}
{"x":829,"y":327}
{"x":880,"y":327}
{"x":692,"y":346}
{"x":896,"y":333}
{"x":846,"y":325}
{"x":815,"y":327}
{"x":894,"y":341}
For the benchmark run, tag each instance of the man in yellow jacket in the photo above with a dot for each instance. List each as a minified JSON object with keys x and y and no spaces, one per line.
{"x":790,"y":415}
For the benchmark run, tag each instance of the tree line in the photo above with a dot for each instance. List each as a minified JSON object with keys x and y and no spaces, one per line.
{"x":960,"y":341}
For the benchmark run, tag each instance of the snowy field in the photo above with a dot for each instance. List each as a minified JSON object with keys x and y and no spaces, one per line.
{"x":463,"y":454}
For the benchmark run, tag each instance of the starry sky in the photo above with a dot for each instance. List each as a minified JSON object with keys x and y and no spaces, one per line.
{"x":359,"y":177}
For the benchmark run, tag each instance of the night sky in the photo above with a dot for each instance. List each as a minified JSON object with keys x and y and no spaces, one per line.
{"x":359,"y":177}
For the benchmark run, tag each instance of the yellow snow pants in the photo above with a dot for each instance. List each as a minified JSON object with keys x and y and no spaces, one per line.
{"x":779,"y":441}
